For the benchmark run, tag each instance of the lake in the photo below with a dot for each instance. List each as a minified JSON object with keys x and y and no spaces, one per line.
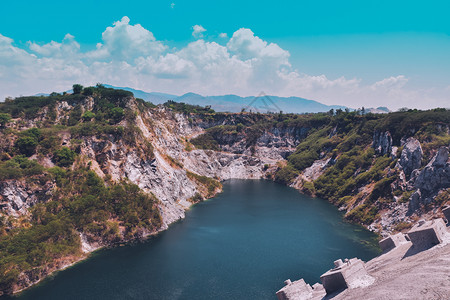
{"x":241,"y":244}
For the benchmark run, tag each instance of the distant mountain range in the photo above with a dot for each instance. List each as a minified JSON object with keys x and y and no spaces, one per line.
{"x":233,"y":103}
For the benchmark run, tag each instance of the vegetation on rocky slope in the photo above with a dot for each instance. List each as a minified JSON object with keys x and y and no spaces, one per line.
{"x":105,"y":212}
{"x":356,"y":177}
{"x":64,"y":141}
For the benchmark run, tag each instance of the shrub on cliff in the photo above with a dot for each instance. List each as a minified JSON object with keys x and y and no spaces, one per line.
{"x":205,"y":141}
{"x":4,"y":119}
{"x":64,"y":157}
{"x":18,"y":167}
{"x":286,"y":175}
{"x":27,"y":145}
{"x":88,"y":115}
{"x":116,"y":114}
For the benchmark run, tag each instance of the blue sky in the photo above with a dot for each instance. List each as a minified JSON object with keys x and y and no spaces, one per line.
{"x":371,"y":53}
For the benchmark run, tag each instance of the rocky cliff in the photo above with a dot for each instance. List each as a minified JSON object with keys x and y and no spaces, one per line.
{"x":143,"y":146}
{"x":100,"y":168}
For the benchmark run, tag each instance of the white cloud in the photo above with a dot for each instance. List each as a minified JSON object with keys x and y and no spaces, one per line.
{"x":68,"y":48}
{"x":130,"y":55}
{"x":393,"y":82}
{"x":198,"y":31}
{"x":126,"y":42}
{"x":223,"y":35}
{"x":246,"y":45}
{"x":172,"y":5}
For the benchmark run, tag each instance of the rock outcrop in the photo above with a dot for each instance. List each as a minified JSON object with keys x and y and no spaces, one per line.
{"x":16,"y":196}
{"x":382,"y":142}
{"x":436,"y":174}
{"x":430,"y":180}
{"x":411,"y":157}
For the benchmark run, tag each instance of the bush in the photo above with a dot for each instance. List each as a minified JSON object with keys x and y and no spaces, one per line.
{"x":209,"y":183}
{"x":49,"y":143}
{"x":308,"y":188}
{"x":403,"y":226}
{"x":188,"y":108}
{"x":205,"y":141}
{"x":27,"y":145}
{"x":18,"y":167}
{"x":88,"y":115}
{"x":64,"y":157}
{"x":116,"y":114}
{"x":75,"y":116}
{"x":363,"y":214}
{"x":382,"y":189}
{"x":286,"y":175}
{"x":4,"y":119}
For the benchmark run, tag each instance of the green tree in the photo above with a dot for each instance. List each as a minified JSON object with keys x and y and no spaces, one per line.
{"x":4,"y":119}
{"x":64,"y":157}
{"x":77,"y":88}
{"x":116,"y":114}
{"x":89,"y":91}
{"x":27,"y":145}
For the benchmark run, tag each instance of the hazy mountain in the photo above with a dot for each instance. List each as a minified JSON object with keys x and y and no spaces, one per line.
{"x":154,"y":97}
{"x":234,"y":103}
{"x":378,"y":110}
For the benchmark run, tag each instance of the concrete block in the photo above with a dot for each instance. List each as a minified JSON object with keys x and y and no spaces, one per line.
{"x":297,"y":290}
{"x":351,"y":273}
{"x":426,"y":234}
{"x":446,"y":211}
{"x":392,"y":241}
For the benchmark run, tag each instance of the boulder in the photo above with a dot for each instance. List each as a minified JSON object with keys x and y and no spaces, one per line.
{"x":411,"y":157}
{"x":436,"y":174}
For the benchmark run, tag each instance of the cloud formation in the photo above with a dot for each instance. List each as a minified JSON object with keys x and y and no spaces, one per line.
{"x":198,"y":31}
{"x":130,"y":55}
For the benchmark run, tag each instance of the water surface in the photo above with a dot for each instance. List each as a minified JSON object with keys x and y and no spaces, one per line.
{"x":240,"y":245}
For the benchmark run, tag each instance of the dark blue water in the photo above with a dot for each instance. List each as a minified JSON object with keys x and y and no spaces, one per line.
{"x":240,"y":245}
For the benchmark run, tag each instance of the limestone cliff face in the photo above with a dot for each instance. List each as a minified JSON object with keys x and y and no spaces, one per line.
{"x":411,"y":157}
{"x":162,"y":160}
{"x":382,"y":142}
{"x":434,"y":177}
{"x":419,"y":187}
{"x":163,"y":169}
{"x":17,"y":196}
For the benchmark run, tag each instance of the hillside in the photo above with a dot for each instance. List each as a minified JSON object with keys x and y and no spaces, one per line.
{"x":100,"y":167}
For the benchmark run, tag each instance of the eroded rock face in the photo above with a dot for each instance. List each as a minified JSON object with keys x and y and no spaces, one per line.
{"x":168,"y":181}
{"x":430,"y":180}
{"x":317,"y":169}
{"x":16,"y":196}
{"x":382,"y":142}
{"x":411,"y":157}
{"x":274,"y":143}
{"x":436,"y":174}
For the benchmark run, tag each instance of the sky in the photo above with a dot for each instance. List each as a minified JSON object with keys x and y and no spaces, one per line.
{"x":354,"y":53}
